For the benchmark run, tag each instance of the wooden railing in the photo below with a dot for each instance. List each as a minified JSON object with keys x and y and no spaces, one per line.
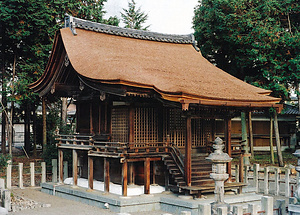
{"x":177,"y":157}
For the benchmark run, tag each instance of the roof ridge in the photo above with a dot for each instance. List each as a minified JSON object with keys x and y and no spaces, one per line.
{"x":73,"y":22}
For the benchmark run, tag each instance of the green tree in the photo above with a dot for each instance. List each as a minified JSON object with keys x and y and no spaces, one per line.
{"x":27,"y":32}
{"x":256,"y":41}
{"x":133,"y":17}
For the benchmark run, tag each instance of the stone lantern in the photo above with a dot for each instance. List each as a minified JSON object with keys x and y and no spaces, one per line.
{"x":219,"y":175}
{"x":297,"y":192}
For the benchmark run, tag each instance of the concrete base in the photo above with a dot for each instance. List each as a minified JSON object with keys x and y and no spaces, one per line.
{"x":294,"y":209}
{"x":167,"y":201}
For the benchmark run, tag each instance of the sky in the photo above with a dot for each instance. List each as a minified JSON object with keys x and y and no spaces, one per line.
{"x":164,"y":16}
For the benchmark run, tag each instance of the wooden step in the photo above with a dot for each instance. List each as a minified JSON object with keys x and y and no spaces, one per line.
{"x":202,"y":182}
{"x":200,"y":168}
{"x":200,"y":177}
{"x":201,"y":173}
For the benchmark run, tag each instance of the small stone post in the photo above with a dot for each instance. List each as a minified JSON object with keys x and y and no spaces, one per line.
{"x":54,"y":170}
{"x":277,"y":185}
{"x":8,"y":174}
{"x":287,"y":182}
{"x":267,"y":205}
{"x":21,"y":175}
{"x":238,"y":210}
{"x":32,"y":182}
{"x":256,"y":176}
{"x":219,"y":175}
{"x":66,"y":173}
{"x":6,"y":200}
{"x":43,"y":164}
{"x":266,"y":180}
{"x":205,"y":209}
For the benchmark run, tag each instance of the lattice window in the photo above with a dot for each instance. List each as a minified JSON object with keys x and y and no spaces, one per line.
{"x":120,"y":124}
{"x":174,"y":125}
{"x":146,"y":125}
{"x":200,"y":132}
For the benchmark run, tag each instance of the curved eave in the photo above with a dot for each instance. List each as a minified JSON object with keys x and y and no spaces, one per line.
{"x":45,"y":82}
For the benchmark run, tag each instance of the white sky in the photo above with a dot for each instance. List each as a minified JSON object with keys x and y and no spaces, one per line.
{"x":165,"y":16}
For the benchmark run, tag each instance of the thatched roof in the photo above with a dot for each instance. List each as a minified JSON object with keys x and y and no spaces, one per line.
{"x":168,"y":64}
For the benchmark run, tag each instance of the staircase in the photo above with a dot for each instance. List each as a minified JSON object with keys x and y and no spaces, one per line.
{"x":201,"y":169}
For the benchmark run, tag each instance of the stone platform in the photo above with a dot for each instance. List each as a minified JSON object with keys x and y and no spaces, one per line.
{"x":166,"y":201}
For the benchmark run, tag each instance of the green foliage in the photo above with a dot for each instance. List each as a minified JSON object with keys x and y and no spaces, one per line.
{"x":27,"y":30}
{"x":133,"y":17}
{"x":256,"y":41}
{"x":3,"y":161}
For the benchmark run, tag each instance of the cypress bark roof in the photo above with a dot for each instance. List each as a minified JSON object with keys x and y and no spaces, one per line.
{"x":169,"y":64}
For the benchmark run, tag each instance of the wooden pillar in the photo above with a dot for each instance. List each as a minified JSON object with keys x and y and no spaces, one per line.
{"x":91,"y":173}
{"x":131,"y":179}
{"x":106,"y":175}
{"x":131,"y":140}
{"x":60,"y":166}
{"x":228,"y":143}
{"x":124,"y":178}
{"x":188,"y":152}
{"x":153,"y":172}
{"x":147,"y":176}
{"x":278,"y":146}
{"x":251,"y":143}
{"x":75,"y":167}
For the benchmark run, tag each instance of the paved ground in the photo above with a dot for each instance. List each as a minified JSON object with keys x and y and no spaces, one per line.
{"x":60,"y":206}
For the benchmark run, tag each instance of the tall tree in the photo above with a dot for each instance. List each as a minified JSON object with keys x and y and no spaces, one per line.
{"x":27,"y":32}
{"x":257,"y":41}
{"x":133,"y":17}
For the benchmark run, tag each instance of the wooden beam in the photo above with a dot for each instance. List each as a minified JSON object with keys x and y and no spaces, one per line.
{"x":60,"y":166}
{"x":228,"y":143}
{"x":106,"y":175}
{"x":278,"y":146}
{"x":147,"y":176}
{"x":91,"y":173}
{"x":188,"y":152}
{"x":75,"y":167}
{"x":124,"y":178}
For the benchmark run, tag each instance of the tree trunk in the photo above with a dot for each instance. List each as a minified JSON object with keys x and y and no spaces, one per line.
{"x":27,"y":127}
{"x":44,"y":124}
{"x":3,"y":98}
{"x":4,"y":114}
{"x":64,"y":107}
{"x":271,"y":141}
{"x":298,"y":96}
{"x":244,"y":138}
{"x":250,"y":134}
{"x":11,"y":125}
{"x":278,"y":146}
{"x":34,"y":129}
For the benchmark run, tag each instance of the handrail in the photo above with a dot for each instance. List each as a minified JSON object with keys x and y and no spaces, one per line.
{"x":177,"y":157}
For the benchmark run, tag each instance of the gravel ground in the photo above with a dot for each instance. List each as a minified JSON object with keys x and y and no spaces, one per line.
{"x":60,"y":206}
